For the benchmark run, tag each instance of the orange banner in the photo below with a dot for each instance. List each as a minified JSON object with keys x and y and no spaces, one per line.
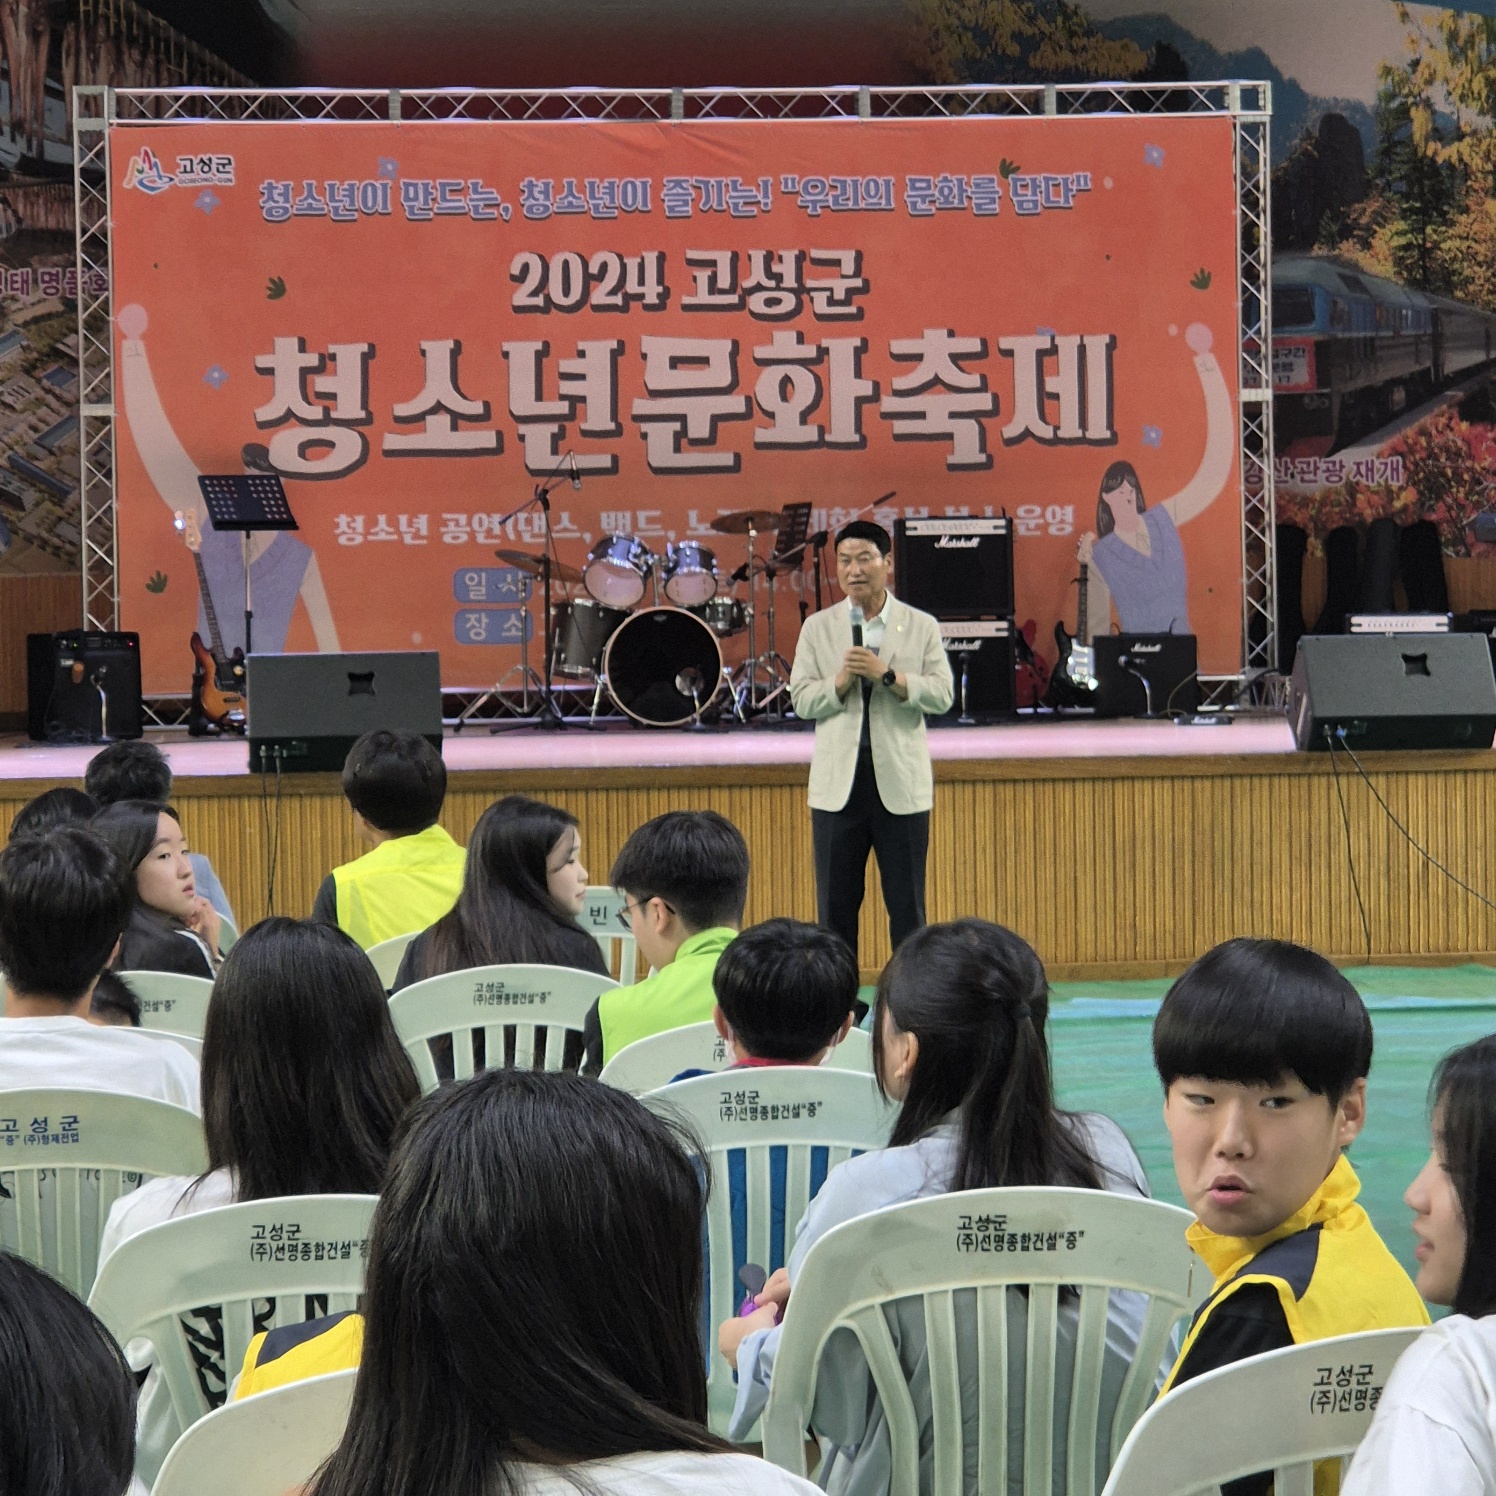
{"x":413,"y":324}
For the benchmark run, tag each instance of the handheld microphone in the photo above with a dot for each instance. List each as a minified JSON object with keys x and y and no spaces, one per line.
{"x":576,"y":477}
{"x":856,"y":626}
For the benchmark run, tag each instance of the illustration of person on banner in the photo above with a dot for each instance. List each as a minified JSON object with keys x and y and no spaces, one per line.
{"x":282,"y":569}
{"x":1136,"y":550}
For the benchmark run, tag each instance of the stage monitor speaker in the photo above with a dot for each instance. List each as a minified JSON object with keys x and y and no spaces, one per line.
{"x":1145,"y":675}
{"x":980,"y":652}
{"x":955,"y":568}
{"x":82,"y":686}
{"x":307,"y":710}
{"x":1392,"y":692}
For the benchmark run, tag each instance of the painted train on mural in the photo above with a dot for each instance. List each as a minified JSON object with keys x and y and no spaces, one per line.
{"x":1351,"y":350}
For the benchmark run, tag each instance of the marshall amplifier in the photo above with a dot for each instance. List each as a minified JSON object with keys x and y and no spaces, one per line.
{"x":955,"y":568}
{"x":1145,"y":675}
{"x":980,"y":652}
{"x":82,"y":686}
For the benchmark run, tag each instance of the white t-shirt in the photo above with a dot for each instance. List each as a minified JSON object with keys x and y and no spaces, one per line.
{"x":1434,"y":1433}
{"x":674,"y":1474}
{"x":164,"y":1199}
{"x":84,"y":1056}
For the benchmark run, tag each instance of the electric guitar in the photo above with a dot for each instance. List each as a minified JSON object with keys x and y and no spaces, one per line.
{"x":1074,"y":680}
{"x":1030,"y":672}
{"x":217,"y":675}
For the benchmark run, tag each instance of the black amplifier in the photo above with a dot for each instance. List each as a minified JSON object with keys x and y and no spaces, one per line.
{"x":955,"y":568}
{"x":82,"y":686}
{"x":980,"y":652}
{"x":1145,"y":675}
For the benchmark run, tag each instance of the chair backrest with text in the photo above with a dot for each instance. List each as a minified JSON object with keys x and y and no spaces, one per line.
{"x":171,"y":1001}
{"x":521,"y":1015}
{"x":266,"y":1445}
{"x":289,"y":1250}
{"x":66,"y":1156}
{"x":653,"y":1061}
{"x":1041,"y":1243}
{"x":771,"y":1136}
{"x":1278,"y":1412}
{"x":387,"y":956}
{"x":599,"y":918}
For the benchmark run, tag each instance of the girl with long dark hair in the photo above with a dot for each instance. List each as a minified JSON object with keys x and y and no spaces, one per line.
{"x":171,"y":928}
{"x":304,"y":1082}
{"x":1434,"y":1433}
{"x":958,"y":1039}
{"x":531,"y":1313}
{"x":522,"y":890}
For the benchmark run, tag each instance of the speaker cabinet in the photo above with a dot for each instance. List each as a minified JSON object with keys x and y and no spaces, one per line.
{"x":1393,"y":691}
{"x":82,"y":687}
{"x":955,"y":568}
{"x":981,"y":656}
{"x":1145,"y":675}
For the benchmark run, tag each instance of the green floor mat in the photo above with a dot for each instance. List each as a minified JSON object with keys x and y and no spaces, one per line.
{"x":1099,"y":1036}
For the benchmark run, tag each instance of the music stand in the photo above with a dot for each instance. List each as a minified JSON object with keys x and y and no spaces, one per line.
{"x":246,"y":502}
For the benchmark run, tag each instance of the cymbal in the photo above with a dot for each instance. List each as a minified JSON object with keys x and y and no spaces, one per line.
{"x":530,"y":564}
{"x":765,"y":521}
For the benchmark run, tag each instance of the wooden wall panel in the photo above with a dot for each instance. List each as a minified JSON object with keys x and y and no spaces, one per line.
{"x":31,"y":605}
{"x":1120,"y":867}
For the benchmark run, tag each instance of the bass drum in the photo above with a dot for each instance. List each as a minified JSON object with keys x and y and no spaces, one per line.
{"x":646,"y":658}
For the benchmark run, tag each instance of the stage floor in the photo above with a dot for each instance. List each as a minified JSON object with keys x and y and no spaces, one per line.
{"x":475,"y":751}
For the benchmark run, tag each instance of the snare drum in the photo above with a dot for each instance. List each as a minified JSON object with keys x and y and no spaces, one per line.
{"x":645,"y":659}
{"x":724,"y":616}
{"x":690,"y":573}
{"x":583,"y":629}
{"x":617,"y":570}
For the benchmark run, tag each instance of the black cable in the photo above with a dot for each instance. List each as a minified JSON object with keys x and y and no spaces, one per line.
{"x":265,"y":832}
{"x":1421,"y":851}
{"x":1350,"y":856}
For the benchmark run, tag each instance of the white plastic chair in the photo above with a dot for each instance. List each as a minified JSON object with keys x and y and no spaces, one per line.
{"x":228,"y":934}
{"x":265,"y":1445}
{"x":283,"y":1249}
{"x":930,"y":1248}
{"x":1280,"y":1411}
{"x":67,"y":1156}
{"x":599,"y":918}
{"x":650,"y":1062}
{"x":170,"y":1001}
{"x":387,"y":955}
{"x":796,"y":1108}
{"x":542,"y":1003}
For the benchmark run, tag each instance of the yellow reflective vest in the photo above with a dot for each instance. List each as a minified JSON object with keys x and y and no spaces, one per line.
{"x":404,"y":884}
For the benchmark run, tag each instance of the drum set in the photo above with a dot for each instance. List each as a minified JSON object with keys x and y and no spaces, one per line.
{"x":646,"y":630}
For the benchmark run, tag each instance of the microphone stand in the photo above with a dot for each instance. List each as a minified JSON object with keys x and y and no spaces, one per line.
{"x":550,"y":714}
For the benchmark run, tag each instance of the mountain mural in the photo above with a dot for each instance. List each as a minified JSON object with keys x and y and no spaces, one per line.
{"x":1295,"y":109}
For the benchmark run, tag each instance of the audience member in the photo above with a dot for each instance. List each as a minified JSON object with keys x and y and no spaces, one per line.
{"x":64,"y":901}
{"x":395,"y":783}
{"x":522,"y":890}
{"x":1433,"y":1432}
{"x":534,"y":1282}
{"x":114,"y":1004}
{"x":959,"y":1040}
{"x":684,"y":880}
{"x":1263,"y":1049}
{"x":62,"y":806}
{"x":304,"y":1081}
{"x":67,"y":1420}
{"x":172,"y":927}
{"x":137,"y":770}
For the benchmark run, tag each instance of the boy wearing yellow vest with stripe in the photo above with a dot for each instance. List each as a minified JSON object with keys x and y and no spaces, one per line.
{"x":1263,"y":1048}
{"x":395,"y":783}
{"x":684,"y":880}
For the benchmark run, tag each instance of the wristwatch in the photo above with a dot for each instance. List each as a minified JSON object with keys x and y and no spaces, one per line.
{"x":889,"y":677}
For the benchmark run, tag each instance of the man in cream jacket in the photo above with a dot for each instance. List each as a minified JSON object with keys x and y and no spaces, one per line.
{"x":866,"y":672}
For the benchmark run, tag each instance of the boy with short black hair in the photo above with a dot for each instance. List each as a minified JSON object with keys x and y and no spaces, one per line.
{"x":785,"y":994}
{"x":64,"y":901}
{"x":1263,"y":1048}
{"x":684,"y":881}
{"x":395,"y":784}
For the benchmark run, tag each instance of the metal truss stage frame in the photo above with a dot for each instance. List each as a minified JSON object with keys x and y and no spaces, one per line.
{"x":1247,"y":104}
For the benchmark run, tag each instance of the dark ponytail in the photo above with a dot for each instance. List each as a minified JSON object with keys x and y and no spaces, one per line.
{"x":976,"y":997}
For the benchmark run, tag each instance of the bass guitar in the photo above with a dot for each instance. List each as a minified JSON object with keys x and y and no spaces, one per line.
{"x":217,"y":675}
{"x":1073,"y":682}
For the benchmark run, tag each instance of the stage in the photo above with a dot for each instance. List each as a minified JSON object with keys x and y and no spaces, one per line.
{"x":1118,"y":848}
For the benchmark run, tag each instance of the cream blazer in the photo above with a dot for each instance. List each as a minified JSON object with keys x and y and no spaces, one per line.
{"x":901,"y":754}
